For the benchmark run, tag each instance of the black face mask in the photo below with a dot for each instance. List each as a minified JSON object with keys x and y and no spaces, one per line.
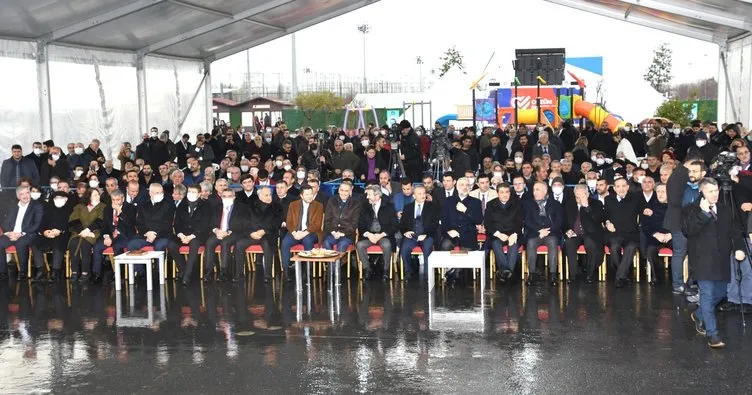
{"x":314,"y":147}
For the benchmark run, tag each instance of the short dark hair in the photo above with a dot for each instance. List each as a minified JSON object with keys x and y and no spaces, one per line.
{"x":16,"y":146}
{"x":406,"y":181}
{"x":263,"y":173}
{"x":701,"y":164}
{"x":449,"y":174}
{"x":305,"y":187}
{"x":483,"y":175}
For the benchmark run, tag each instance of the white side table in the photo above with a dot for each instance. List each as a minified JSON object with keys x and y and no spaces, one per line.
{"x":145,"y":259}
{"x":446,"y":260}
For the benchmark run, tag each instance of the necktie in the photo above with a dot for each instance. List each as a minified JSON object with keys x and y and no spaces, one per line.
{"x":448,"y":194}
{"x":483,"y":203}
{"x":418,"y":210}
{"x":713,"y":214}
{"x":545,"y":149}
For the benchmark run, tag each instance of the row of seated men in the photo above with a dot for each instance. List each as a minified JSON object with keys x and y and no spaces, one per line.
{"x":450,"y":216}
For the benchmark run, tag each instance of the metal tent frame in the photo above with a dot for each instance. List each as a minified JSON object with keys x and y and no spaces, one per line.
{"x":196,"y":30}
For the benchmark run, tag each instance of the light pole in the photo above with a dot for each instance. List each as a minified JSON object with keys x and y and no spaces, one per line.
{"x":365,"y":29}
{"x":419,"y":61}
{"x":307,"y":72}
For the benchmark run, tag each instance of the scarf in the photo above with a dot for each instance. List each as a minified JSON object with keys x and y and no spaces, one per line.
{"x":541,"y":207}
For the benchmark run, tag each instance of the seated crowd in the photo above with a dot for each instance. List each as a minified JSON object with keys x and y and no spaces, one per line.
{"x":510,"y":189}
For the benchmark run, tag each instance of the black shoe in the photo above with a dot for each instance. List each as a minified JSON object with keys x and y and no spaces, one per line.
{"x":506,"y":274}
{"x":207,"y":277}
{"x":590,"y":281}
{"x":96,"y":278}
{"x":21,"y":276}
{"x":385,"y":278}
{"x":4,"y":276}
{"x":73,"y":277}
{"x":84,"y":278}
{"x":533,"y":279}
{"x":367,"y":274}
{"x":699,"y":326}
{"x":409,"y":276}
{"x":716,"y":342}
{"x":728,"y":306}
{"x":222,"y":276}
{"x":41,"y":276}
{"x":55,"y":276}
{"x":290,"y":275}
{"x":554,"y":282}
{"x":621,"y":283}
{"x":267,"y":280}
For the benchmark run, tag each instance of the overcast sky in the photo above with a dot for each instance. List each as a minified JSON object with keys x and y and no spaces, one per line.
{"x":404,"y":29}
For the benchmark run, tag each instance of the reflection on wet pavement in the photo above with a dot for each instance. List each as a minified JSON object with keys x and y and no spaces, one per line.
{"x":382,"y":338}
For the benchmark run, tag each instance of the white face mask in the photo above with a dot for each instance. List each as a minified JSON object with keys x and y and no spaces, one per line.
{"x":518,"y":160}
{"x":287,"y":167}
{"x":78,"y":173}
{"x":227,"y":202}
{"x":640,"y":179}
{"x":342,"y":138}
{"x":591,"y":183}
{"x":539,"y":128}
{"x":78,"y":150}
{"x":627,"y":128}
{"x":471,"y":180}
{"x":192,"y":196}
{"x":700,"y":143}
{"x":157,"y":198}
{"x":55,"y":157}
{"x":600,"y":161}
{"x":59,"y":203}
{"x":364,"y":143}
{"x":53,"y":186}
{"x":37,"y":151}
{"x":498,"y":174}
{"x":419,"y":133}
{"x":300,"y":175}
{"x":629,"y":175}
{"x":93,"y":183}
{"x":278,"y":163}
{"x":244,"y":168}
{"x":594,"y":158}
{"x":557,"y":190}
{"x":36,"y":195}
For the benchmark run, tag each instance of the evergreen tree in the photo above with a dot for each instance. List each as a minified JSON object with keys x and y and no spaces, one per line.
{"x":659,"y":72}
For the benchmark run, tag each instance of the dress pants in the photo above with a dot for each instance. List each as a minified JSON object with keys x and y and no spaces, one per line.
{"x":711,"y":293}
{"x":79,"y":253}
{"x":56,"y":245}
{"x":621,"y":260}
{"x":185,"y":266}
{"x":732,"y":290}
{"x":407,"y":248}
{"x":267,"y":246}
{"x":386,"y":252}
{"x":342,"y":243}
{"x":508,"y":260}
{"x":119,"y":244}
{"x":288,"y":242}
{"x":210,"y":257}
{"x":656,"y":266}
{"x":22,"y":250}
{"x":159,"y":244}
{"x":593,"y":256}
{"x":551,"y":242}
{"x":679,"y":248}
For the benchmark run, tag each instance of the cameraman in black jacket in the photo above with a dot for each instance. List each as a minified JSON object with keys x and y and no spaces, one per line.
{"x":410,"y":151}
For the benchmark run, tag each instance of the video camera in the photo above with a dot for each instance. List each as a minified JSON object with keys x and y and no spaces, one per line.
{"x":723,"y":168}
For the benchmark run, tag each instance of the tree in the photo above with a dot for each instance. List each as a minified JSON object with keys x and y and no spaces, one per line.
{"x":451,"y":58}
{"x":659,"y":72}
{"x":326,"y":102}
{"x":675,"y":110}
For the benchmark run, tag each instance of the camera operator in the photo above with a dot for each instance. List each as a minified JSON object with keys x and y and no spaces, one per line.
{"x":742,"y":192}
{"x":410,"y":151}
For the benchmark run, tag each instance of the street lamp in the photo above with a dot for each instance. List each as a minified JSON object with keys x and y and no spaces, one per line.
{"x":419,"y":61}
{"x":365,"y":29}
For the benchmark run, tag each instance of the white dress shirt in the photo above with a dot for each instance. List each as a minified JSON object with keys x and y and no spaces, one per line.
{"x":19,"y":218}
{"x":304,"y":221}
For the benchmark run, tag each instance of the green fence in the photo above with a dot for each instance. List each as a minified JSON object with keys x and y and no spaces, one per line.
{"x":296,"y":119}
{"x":706,"y":110}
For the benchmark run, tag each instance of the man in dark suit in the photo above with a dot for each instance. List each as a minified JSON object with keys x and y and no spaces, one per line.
{"x":19,"y":229}
{"x":520,"y":190}
{"x":544,"y":147}
{"x":192,"y":223}
{"x":317,"y":194}
{"x":544,"y":223}
{"x":228,"y":226}
{"x":378,"y":222}
{"x":711,"y":237}
{"x":304,"y":225}
{"x":182,"y":150}
{"x":16,"y":167}
{"x":119,"y":228}
{"x":263,"y":230}
{"x":621,"y":213}
{"x":503,"y":222}
{"x":460,"y":218}
{"x":418,"y":225}
{"x":154,"y":222}
{"x":248,"y":194}
{"x":447,"y":189}
{"x":53,"y":236}
{"x":55,"y":165}
{"x":560,"y":193}
{"x":283,"y":194}
{"x":584,"y":219}
{"x":653,"y":235}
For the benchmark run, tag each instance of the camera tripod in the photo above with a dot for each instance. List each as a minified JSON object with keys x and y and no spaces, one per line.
{"x":396,"y":167}
{"x":438,"y":167}
{"x":728,"y":200}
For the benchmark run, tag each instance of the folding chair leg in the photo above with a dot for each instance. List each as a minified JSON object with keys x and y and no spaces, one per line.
{"x":636,"y":264}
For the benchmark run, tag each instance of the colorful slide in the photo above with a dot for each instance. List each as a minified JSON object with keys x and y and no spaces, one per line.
{"x":596,"y":114}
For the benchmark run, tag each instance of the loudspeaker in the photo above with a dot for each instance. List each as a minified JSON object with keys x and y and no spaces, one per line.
{"x":551,"y":65}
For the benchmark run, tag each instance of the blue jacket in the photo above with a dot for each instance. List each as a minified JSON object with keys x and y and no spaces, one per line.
{"x":8,"y":176}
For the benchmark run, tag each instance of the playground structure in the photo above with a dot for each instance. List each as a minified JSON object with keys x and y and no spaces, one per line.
{"x":361,"y":116}
{"x":504,"y":106}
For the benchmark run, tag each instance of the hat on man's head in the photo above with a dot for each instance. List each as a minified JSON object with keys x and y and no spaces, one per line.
{"x":701,"y":136}
{"x":405,"y":124}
